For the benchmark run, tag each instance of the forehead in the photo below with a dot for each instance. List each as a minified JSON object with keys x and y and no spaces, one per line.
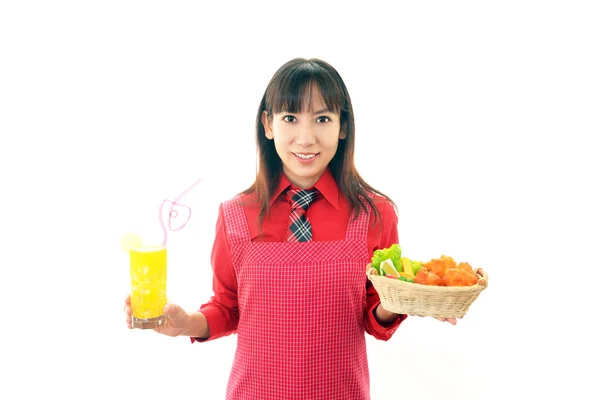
{"x":308,"y":101}
{"x":313,"y":101}
{"x":307,"y":96}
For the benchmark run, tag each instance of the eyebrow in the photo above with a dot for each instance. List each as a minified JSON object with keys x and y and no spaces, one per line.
{"x":321,"y":111}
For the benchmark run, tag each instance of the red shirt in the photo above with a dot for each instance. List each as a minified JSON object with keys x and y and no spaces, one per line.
{"x":329,"y":215}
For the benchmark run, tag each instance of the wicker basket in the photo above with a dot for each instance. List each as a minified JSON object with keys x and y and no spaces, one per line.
{"x":423,"y":300}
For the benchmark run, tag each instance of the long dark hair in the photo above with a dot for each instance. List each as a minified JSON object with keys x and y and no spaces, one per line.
{"x":285,"y":92}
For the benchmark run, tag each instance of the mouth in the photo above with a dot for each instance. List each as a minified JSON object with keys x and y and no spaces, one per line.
{"x":306,"y":156}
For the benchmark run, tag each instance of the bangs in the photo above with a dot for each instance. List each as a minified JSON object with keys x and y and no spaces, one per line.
{"x":292,"y":90}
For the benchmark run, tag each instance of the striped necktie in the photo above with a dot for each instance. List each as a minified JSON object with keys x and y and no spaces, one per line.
{"x":300,"y":229}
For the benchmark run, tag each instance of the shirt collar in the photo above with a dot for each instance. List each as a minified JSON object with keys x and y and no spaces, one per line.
{"x":326,"y":185}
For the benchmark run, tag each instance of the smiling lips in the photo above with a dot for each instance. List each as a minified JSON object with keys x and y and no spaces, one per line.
{"x":305,"y":158}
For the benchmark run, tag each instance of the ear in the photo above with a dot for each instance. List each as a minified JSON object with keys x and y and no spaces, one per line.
{"x":267,"y":124}
{"x":343,"y":132}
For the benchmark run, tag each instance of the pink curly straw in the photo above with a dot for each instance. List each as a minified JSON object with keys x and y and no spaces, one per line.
{"x":173,"y":213}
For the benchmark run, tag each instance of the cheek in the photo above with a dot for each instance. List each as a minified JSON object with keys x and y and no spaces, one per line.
{"x":333,"y":140}
{"x":334,"y":146}
{"x":280,"y":145}
{"x":283,"y":135}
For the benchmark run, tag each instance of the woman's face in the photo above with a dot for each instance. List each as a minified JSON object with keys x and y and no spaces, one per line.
{"x":306,"y":141}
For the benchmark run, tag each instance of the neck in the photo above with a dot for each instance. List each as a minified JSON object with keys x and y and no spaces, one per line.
{"x":302,"y":182}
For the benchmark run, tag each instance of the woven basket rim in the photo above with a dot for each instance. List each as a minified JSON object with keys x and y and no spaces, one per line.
{"x":479,"y":286}
{"x":426,"y":300}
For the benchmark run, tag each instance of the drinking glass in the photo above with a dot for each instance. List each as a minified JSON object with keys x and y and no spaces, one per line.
{"x":148,"y":269}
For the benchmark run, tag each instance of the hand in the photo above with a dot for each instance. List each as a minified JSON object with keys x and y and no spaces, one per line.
{"x":383,"y":316}
{"x":450,"y":320}
{"x":175,"y":325}
{"x":127,"y":310}
{"x":177,"y":321}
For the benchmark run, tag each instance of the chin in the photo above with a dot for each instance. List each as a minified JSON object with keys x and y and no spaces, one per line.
{"x":312,"y":174}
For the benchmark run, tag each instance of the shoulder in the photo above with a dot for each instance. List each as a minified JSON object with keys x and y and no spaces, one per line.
{"x":385,"y":217}
{"x":240,"y":204}
{"x":242,"y":199}
{"x":385,"y":207}
{"x":235,"y":212}
{"x":383,"y":223}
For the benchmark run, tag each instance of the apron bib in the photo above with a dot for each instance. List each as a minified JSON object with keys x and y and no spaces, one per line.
{"x":301,"y":329}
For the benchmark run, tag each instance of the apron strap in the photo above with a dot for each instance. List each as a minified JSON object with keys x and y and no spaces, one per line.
{"x":358,"y":229}
{"x":237,"y":227}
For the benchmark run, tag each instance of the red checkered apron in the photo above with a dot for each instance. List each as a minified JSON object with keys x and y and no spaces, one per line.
{"x":301,"y":330}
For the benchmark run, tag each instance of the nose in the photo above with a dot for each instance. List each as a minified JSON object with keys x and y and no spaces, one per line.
{"x":306,"y":136}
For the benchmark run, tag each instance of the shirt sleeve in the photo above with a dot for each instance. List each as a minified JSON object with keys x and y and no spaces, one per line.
{"x":221,"y":311}
{"x":381,"y":235}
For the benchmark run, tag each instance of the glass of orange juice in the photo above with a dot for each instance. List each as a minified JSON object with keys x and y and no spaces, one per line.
{"x":148,"y":269}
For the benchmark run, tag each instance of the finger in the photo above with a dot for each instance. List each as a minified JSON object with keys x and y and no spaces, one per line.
{"x":172,"y":311}
{"x":169,"y":309}
{"x":128,"y":299}
{"x":127,"y":311}
{"x":451,"y":320}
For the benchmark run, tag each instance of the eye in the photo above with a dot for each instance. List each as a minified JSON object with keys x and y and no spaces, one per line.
{"x":323,"y":119}
{"x":289,"y":118}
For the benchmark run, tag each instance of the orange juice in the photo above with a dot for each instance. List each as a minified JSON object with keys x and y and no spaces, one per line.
{"x":148,"y":269}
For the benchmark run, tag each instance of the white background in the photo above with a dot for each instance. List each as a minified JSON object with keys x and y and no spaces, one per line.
{"x":478,"y":118}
